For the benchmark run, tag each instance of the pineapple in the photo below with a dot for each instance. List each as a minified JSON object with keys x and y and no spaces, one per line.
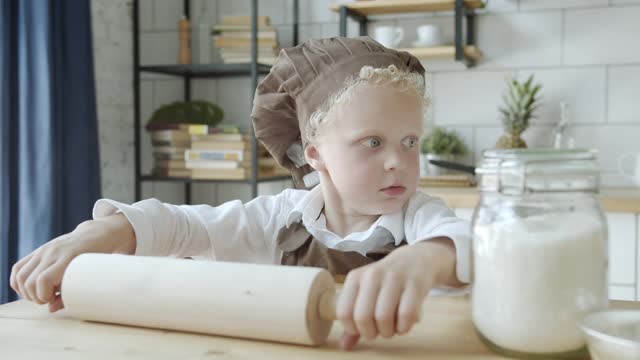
{"x":520,"y":102}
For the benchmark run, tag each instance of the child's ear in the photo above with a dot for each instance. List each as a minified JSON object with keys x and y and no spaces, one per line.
{"x":312,"y":154}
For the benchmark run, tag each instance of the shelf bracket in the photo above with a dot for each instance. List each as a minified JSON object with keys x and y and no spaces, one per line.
{"x":470,"y":38}
{"x":471,"y":34}
{"x":459,"y":10}
{"x":346,"y":13}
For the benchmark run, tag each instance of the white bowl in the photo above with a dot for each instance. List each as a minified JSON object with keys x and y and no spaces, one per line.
{"x":613,"y":334}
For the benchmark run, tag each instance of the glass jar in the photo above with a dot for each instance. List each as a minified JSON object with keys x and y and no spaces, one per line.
{"x":539,"y":251}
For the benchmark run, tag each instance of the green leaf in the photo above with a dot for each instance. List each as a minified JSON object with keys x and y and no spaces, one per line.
{"x":195,"y":112}
{"x":441,"y":141}
{"x":520,"y":103}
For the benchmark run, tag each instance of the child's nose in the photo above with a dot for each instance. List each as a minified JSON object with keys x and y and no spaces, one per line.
{"x":395,"y":161}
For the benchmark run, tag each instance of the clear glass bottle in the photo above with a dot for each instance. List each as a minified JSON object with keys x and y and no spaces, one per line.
{"x":539,"y":251}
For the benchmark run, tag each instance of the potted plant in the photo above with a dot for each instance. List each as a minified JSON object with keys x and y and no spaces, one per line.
{"x":186,"y":112}
{"x":441,"y":144}
{"x":520,"y":100}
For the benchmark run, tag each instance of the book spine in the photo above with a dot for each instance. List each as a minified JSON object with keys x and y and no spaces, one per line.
{"x":215,"y":164}
{"x":235,"y":155}
{"x":219,"y":145}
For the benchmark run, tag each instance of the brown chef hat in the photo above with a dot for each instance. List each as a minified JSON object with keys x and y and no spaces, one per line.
{"x":301,"y":80}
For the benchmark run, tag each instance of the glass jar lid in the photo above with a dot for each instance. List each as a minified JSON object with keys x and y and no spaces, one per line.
{"x":520,"y":171}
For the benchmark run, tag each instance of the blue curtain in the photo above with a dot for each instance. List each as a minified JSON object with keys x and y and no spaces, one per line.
{"x":48,"y":136}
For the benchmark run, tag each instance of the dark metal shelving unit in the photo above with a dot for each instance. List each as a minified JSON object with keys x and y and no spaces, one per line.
{"x":215,"y":70}
{"x":462,"y":9}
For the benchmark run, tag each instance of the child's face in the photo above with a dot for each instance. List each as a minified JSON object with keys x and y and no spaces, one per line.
{"x":369,"y":150}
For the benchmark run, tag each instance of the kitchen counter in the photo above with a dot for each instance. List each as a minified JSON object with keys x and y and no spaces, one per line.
{"x":29,"y":331}
{"x":613,"y":199}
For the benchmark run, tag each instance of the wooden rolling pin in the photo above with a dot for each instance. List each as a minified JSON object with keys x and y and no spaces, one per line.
{"x":267,"y":302}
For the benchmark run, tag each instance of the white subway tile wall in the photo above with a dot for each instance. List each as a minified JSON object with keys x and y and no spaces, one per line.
{"x":581,"y":50}
{"x":583,"y":88}
{"x":601,"y":35}
{"x":467,"y":98}
{"x":623,"y":82}
{"x":520,"y":39}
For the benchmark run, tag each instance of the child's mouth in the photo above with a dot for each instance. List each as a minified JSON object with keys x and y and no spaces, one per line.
{"x":394,"y":190}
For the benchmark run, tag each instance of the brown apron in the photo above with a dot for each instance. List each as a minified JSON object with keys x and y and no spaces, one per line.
{"x":301,"y":249}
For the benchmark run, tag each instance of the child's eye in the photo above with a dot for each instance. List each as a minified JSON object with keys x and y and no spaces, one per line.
{"x":372,"y":142}
{"x":411,"y":142}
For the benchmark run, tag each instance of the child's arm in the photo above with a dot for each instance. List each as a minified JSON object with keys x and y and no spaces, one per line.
{"x":37,"y":277}
{"x":233,"y":231}
{"x":384,"y":298}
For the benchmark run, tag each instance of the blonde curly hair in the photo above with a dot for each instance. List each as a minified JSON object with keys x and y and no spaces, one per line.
{"x":411,"y":83}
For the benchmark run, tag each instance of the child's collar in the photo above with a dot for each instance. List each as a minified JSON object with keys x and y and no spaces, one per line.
{"x":308,"y":210}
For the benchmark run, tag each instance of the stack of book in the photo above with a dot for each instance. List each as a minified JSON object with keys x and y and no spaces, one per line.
{"x":199,"y":151}
{"x":224,"y":153}
{"x":233,"y":39}
{"x":170,"y":141}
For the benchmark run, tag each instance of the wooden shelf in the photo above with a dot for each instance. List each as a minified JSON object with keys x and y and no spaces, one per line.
{"x":443,"y":52}
{"x":462,"y":9}
{"x":381,"y":7}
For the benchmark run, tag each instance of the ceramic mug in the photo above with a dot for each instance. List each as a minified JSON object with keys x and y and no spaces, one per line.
{"x":429,"y":35}
{"x":389,"y":36}
{"x":635,"y":174}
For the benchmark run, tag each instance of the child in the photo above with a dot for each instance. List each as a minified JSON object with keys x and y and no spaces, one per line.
{"x":347,"y":113}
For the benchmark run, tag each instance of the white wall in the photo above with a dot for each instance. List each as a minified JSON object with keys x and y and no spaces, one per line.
{"x":583,"y":51}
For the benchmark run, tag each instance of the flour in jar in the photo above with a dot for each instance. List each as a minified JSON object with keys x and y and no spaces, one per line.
{"x":536,"y":277}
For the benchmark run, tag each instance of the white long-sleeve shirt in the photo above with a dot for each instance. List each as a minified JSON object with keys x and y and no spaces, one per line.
{"x":248,"y":232}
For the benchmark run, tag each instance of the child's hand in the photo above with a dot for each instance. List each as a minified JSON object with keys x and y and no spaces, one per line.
{"x":385,"y":298}
{"x":37,"y":276}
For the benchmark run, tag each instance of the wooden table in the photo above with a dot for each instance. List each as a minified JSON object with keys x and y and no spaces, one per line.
{"x":29,"y":331}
